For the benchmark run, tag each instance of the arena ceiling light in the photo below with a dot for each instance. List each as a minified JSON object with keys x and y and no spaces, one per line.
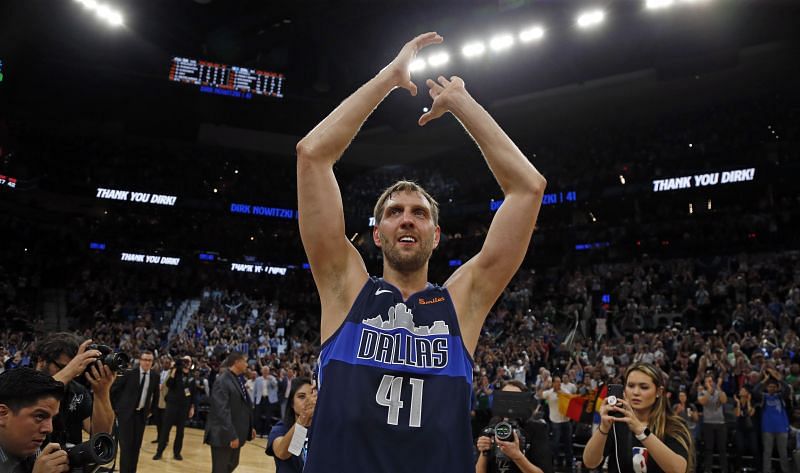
{"x":531,"y":34}
{"x":658,"y":4}
{"x":438,"y":59}
{"x":417,"y":65}
{"x":591,"y":18}
{"x":473,"y":49}
{"x":501,"y":42}
{"x":103,"y":11}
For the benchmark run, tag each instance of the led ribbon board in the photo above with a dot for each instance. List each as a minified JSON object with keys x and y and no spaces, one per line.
{"x":225,"y":80}
{"x":552,"y":198}
{"x":704,"y":180}
{"x":258,"y":268}
{"x":273,"y":212}
{"x":150,"y":259}
{"x":130,"y":196}
{"x":7,"y":181}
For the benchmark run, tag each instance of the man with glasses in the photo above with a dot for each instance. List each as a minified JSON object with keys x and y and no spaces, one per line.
{"x":133,"y":394}
{"x":63,"y":356}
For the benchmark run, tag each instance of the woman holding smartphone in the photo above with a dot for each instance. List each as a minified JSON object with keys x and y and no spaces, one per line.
{"x":640,"y":433}
{"x":296,"y":421}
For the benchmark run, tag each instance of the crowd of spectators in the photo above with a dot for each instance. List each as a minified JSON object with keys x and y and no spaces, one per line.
{"x":734,"y":318}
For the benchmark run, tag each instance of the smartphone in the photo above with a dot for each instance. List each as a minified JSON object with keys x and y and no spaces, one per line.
{"x":618,"y":391}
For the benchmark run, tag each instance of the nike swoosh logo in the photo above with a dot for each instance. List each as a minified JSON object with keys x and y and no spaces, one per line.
{"x":382,"y":291}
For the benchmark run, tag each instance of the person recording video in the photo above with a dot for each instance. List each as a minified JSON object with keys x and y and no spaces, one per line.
{"x":180,"y":406}
{"x":639,"y":432}
{"x":514,"y":445}
{"x":88,"y":408}
{"x":29,"y":400}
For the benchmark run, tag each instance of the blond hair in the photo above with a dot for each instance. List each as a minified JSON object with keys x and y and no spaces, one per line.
{"x":405,"y":186}
{"x":663,"y":422}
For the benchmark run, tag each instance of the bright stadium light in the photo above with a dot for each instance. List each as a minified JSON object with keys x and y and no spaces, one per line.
{"x":531,"y":34}
{"x":115,"y":19}
{"x":438,"y":59}
{"x":591,"y":18}
{"x":658,"y":4}
{"x":501,"y":42}
{"x":90,"y":4}
{"x":417,"y":65}
{"x":473,"y":49}
{"x":104,"y":11}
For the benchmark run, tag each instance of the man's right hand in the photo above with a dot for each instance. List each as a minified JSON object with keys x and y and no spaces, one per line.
{"x":78,"y":364}
{"x":484,"y":444}
{"x":234,"y":443}
{"x":52,"y":460}
{"x":399,"y":68}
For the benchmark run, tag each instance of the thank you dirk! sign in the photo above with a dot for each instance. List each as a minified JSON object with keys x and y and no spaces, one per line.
{"x":130,"y":196}
{"x":704,"y":180}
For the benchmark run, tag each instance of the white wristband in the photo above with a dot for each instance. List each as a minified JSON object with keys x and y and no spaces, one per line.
{"x":298,"y":440}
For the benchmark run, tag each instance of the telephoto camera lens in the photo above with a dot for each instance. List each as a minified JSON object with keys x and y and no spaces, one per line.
{"x":98,"y":450}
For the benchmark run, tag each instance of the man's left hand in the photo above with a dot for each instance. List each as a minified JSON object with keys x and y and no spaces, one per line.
{"x":443,"y":92}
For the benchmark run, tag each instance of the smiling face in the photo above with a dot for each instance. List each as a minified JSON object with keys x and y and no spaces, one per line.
{"x":30,"y":425}
{"x":406,"y":232}
{"x":640,"y":390}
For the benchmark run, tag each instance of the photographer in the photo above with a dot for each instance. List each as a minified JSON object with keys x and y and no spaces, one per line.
{"x":62,"y":356}
{"x":180,"y":406}
{"x":532,"y":458}
{"x":28,"y":401}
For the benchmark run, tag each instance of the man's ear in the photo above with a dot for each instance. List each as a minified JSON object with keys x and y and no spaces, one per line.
{"x":436,"y":236}
{"x":376,"y":236}
{"x":5,"y":412}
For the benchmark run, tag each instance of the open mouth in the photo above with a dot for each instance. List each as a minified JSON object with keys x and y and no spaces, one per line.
{"x":407,"y":240}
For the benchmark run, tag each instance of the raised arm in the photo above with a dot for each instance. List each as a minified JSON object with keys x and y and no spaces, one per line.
{"x":337,"y":267}
{"x":476,"y":285}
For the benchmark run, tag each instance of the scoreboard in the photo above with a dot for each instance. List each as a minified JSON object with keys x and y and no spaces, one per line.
{"x":222,"y":77}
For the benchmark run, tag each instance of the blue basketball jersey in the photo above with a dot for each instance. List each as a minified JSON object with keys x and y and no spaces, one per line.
{"x":395,"y":382}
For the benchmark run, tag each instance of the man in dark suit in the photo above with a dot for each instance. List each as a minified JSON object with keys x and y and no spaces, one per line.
{"x":180,"y":406}
{"x":133,"y":394}
{"x":230,"y":417}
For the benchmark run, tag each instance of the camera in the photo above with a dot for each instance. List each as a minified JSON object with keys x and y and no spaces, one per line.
{"x":180,"y":362}
{"x":90,"y":456}
{"x":117,"y":362}
{"x":504,"y":430}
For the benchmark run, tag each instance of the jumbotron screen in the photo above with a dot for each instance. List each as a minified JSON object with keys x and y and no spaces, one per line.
{"x":221,"y":77}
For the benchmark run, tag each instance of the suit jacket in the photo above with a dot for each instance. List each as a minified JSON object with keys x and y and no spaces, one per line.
{"x":230,"y":415}
{"x":125,"y":392}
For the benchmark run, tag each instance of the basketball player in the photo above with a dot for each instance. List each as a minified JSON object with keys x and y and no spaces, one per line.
{"x":395,"y":368}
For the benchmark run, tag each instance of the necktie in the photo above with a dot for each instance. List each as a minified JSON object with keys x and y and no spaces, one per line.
{"x":141,"y":387}
{"x":242,"y":387}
